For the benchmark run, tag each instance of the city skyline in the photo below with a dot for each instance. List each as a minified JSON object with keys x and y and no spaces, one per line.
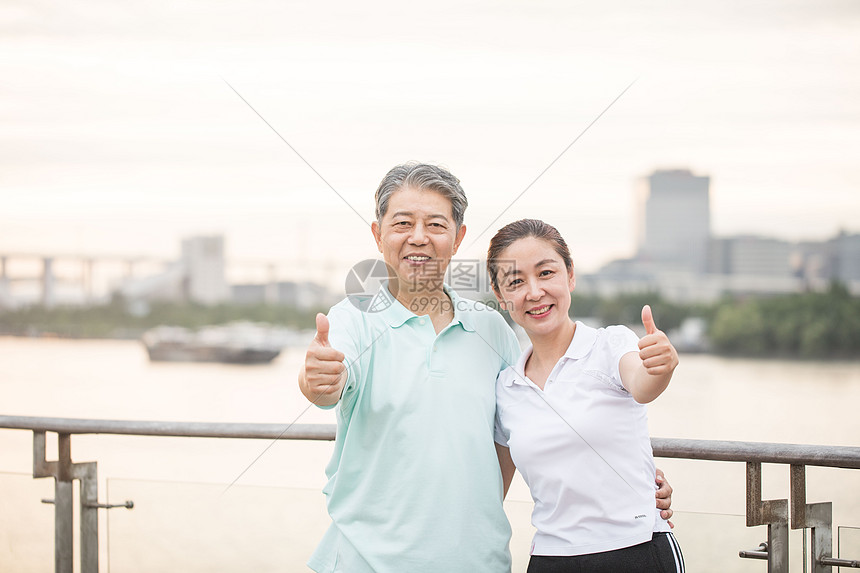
{"x":120,"y":132}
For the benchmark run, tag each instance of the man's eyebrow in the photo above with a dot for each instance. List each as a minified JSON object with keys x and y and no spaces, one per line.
{"x":411,"y":214}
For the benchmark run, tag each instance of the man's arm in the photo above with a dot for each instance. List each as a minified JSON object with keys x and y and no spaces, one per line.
{"x":323,"y":374}
{"x":664,"y":497}
{"x":506,"y":463}
{"x":647,"y":374}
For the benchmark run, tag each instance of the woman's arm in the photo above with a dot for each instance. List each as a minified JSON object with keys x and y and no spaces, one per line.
{"x":646,"y":374}
{"x":507,"y":466}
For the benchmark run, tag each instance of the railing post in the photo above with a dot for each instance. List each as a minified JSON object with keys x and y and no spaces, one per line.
{"x":774,"y":514}
{"x":64,"y":473}
{"x":87,"y":473}
{"x":63,"y":516}
{"x":817,"y":516}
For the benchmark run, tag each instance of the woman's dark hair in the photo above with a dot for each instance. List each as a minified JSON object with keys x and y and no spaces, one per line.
{"x":512,"y":232}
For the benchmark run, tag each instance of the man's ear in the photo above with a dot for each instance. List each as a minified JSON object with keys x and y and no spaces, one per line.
{"x":461,"y":232}
{"x":377,"y":235}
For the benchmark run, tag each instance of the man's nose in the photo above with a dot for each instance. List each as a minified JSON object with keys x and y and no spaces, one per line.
{"x":418,"y":235}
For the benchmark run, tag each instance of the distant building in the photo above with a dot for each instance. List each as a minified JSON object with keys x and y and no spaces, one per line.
{"x":748,"y":255}
{"x":205,"y":279}
{"x":845,"y":259}
{"x":674,"y":220}
{"x":198,"y":276}
{"x":303,"y":295}
{"x":678,"y":257}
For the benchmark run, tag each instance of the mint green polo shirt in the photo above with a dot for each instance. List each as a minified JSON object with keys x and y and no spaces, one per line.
{"x":414,"y":482}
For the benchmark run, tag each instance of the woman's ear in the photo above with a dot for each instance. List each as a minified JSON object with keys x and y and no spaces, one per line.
{"x":571,"y":278}
{"x":499,"y":296}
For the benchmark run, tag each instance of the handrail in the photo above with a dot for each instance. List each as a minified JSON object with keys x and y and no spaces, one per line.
{"x":171,"y":429}
{"x":773,"y":513}
{"x":715,"y":450}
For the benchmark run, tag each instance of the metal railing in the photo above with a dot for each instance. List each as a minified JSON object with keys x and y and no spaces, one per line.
{"x":773,"y":513}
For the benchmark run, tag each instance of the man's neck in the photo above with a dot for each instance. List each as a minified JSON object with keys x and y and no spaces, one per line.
{"x":423,"y":298}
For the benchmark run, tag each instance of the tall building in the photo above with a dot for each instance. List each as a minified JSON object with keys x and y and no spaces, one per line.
{"x":203,"y":258}
{"x":846,"y":257}
{"x":675,"y":220}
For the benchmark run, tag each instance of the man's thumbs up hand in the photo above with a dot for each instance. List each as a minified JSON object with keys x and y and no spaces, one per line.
{"x":324,"y":374}
{"x":656,"y":352}
{"x":322,"y":330}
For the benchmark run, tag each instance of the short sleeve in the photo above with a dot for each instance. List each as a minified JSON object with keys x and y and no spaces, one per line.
{"x":499,"y":434}
{"x":345,"y":336}
{"x":620,"y":340}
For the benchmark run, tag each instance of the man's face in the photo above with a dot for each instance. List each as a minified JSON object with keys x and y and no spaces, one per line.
{"x":417,"y":238}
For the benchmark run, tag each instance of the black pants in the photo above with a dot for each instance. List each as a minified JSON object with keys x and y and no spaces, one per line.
{"x":660,"y":555}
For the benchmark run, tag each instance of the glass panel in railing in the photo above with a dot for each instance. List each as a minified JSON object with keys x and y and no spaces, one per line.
{"x":26,"y":524}
{"x":847,"y":544}
{"x":192,"y":527}
{"x":710,"y":542}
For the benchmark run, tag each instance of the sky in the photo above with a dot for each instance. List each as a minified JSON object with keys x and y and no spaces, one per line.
{"x":125,"y":127}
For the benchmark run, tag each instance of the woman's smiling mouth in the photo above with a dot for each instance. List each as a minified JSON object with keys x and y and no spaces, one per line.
{"x":540,"y":311}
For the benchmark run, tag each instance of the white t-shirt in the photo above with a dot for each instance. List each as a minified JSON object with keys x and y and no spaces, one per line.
{"x":582,"y":446}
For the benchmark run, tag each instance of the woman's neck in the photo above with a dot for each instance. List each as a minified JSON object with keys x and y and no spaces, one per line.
{"x":548,"y":349}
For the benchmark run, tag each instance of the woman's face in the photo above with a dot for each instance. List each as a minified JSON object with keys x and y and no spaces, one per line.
{"x":535,"y":285}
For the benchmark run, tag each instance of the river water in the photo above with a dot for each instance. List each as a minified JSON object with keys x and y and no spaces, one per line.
{"x":186,"y":519}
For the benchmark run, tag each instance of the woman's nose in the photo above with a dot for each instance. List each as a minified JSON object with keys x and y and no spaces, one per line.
{"x":534,"y":290}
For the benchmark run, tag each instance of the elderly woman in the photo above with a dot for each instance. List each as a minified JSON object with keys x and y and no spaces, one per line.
{"x":571,"y":415}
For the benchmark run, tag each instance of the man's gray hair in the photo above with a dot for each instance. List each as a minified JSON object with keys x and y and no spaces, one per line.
{"x":422,"y":176}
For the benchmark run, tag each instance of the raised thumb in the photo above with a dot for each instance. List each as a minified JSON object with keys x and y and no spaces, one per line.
{"x":322,"y":329}
{"x":648,"y":320}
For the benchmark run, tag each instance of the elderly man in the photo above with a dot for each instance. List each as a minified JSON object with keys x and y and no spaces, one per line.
{"x":414,"y":481}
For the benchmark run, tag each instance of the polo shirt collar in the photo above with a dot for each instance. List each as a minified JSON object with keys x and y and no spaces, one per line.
{"x":396,"y":315}
{"x":584,"y":338}
{"x":519,"y":376}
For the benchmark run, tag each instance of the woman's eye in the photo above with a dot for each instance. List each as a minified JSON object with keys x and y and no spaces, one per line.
{"x":545,"y":273}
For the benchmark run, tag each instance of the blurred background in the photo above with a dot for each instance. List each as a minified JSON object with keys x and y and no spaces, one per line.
{"x":192,"y":164}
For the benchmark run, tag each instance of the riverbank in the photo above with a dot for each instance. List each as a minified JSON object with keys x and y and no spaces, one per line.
{"x":806,"y":326}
